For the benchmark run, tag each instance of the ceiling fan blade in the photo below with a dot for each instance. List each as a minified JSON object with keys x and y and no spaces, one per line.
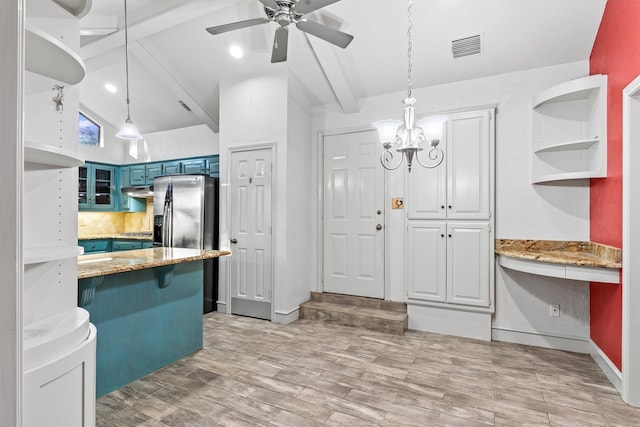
{"x":280,"y":41}
{"x":336,"y":37}
{"x":236,"y":25}
{"x":306,"y":6}
{"x":270,"y":3}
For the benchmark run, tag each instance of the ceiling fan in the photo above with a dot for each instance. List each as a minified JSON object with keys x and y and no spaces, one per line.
{"x":286,"y":12}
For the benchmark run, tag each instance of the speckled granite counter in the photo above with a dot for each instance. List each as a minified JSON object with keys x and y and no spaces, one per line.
{"x":561,"y":252}
{"x":139,"y":259}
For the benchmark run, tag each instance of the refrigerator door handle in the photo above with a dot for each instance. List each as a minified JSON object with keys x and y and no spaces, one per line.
{"x":167,"y":218}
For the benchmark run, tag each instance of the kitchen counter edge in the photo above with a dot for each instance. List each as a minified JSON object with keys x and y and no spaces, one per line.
{"x":104,"y":264}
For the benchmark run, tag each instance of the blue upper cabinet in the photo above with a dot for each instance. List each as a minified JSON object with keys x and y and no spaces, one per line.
{"x":138,"y":175}
{"x":213,"y":166}
{"x":194,"y":166}
{"x":97,"y":187}
{"x":125,"y":181}
{"x":171,"y":168}
{"x":152,"y":170}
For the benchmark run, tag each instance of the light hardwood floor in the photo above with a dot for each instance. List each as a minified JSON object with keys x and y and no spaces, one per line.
{"x":256,"y":373}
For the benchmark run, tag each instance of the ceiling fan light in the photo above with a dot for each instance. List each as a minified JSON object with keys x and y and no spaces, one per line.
{"x":387,"y":129}
{"x":129,"y":131}
{"x":432,"y":127}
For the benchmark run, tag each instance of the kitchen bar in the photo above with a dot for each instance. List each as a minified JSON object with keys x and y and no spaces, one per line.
{"x":147,"y":307}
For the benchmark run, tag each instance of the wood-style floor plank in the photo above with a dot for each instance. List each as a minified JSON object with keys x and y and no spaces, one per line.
{"x":257,"y":373}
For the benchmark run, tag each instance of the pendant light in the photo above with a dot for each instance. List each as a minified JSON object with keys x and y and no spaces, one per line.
{"x":407,"y":135}
{"x":128,"y":130}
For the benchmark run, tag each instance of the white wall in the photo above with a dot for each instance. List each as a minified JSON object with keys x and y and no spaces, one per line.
{"x":523,"y":211}
{"x":192,"y":141}
{"x":11,"y":167}
{"x":113,"y":150}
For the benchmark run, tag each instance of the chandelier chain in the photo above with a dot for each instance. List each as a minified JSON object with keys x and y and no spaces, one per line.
{"x":409,"y":48}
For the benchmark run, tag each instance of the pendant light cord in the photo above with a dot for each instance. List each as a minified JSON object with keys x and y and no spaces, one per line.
{"x":126,"y":56}
{"x":409,"y":47}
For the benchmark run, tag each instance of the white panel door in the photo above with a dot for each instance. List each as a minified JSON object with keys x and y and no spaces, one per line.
{"x":468,"y":165}
{"x":426,"y":261}
{"x":251,"y":260}
{"x":468,"y":251}
{"x":353,"y":215}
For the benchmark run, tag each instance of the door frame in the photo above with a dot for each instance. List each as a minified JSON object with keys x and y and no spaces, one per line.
{"x":630,"y":271}
{"x":224,"y":267}
{"x":319,"y":164}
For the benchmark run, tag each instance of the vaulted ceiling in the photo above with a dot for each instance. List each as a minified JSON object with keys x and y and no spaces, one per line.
{"x":173,"y":58}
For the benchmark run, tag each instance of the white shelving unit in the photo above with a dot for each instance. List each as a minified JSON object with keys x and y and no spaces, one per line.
{"x":569,"y":138}
{"x":58,"y":340}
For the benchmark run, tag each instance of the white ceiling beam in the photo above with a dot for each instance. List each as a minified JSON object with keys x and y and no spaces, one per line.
{"x":178,"y":12}
{"x":336,"y":78}
{"x":162,"y":69}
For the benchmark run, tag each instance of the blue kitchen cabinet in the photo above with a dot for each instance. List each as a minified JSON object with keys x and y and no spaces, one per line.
{"x":213,"y":166}
{"x":194,"y":166}
{"x":125,"y":245}
{"x":152,"y":170}
{"x":127,"y":203}
{"x":137,"y":175}
{"x":95,"y":246}
{"x":171,"y":168}
{"x":97,"y":187}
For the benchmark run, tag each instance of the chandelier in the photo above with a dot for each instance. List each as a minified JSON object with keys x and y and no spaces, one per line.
{"x":409,"y":136}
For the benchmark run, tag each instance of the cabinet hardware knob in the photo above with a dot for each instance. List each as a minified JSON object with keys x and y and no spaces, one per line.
{"x":234,"y":241}
{"x":449,"y":235}
{"x":442,"y":235}
{"x":442,"y":207}
{"x":449,"y":206}
{"x":379,"y":212}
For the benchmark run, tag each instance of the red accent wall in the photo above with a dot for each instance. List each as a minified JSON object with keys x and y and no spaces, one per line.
{"x":616,"y":52}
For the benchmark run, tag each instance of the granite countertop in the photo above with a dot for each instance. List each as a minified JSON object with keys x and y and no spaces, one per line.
{"x":124,"y":236}
{"x":587,"y":254}
{"x":138,"y":259}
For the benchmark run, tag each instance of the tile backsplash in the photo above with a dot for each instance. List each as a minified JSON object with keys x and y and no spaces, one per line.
{"x":107,"y":223}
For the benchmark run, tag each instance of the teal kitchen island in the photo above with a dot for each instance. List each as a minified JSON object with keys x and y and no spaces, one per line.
{"x":147,"y":307}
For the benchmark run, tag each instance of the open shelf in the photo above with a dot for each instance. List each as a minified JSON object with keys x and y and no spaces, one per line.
{"x":569,"y":139}
{"x":47,"y":56}
{"x":58,"y":8}
{"x":48,"y":155}
{"x":568,"y":146}
{"x":36,"y":255}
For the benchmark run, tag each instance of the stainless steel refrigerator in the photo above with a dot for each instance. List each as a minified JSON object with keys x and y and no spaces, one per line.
{"x":185,"y":215}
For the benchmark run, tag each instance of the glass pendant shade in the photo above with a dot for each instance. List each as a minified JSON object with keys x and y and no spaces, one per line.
{"x":387,"y":129}
{"x":432,"y":127}
{"x":129,"y":131}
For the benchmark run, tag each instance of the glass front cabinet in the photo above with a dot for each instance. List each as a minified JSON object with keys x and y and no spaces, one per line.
{"x":96,"y":187}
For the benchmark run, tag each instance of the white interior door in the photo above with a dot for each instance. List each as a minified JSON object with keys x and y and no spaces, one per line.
{"x":353,"y":249}
{"x":251,"y":233}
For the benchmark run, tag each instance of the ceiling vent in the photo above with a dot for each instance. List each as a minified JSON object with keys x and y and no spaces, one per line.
{"x":466,"y":46}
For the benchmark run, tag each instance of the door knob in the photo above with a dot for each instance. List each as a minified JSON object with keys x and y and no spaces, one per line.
{"x":234,"y":241}
{"x":379,"y":227}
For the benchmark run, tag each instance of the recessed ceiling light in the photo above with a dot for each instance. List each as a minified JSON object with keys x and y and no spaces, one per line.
{"x":236,"y":51}
{"x":111,"y":87}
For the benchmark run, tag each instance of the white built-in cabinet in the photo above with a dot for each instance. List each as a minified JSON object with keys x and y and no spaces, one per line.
{"x":450,"y":239}
{"x":569,"y":139}
{"x":59,"y":341}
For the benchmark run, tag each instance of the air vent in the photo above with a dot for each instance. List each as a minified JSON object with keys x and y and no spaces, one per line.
{"x":466,"y":46}
{"x":185,"y":106}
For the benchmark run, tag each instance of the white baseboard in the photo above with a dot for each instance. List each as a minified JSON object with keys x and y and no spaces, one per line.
{"x":450,"y":321}
{"x":286,"y":317}
{"x":574,"y":344}
{"x":222,"y":307}
{"x":610,"y":370}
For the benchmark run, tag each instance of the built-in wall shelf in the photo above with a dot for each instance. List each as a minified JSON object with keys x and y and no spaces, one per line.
{"x":63,"y":9}
{"x":569,"y":138}
{"x":51,"y":253}
{"x":586,"y":261}
{"x":48,"y":155}
{"x":47,"y":56}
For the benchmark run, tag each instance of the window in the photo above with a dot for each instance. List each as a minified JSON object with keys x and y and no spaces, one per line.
{"x":89,"y":132}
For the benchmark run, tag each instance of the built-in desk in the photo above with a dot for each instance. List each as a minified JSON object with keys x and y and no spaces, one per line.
{"x":586,"y":261}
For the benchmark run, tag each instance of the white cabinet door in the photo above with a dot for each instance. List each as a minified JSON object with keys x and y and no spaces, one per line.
{"x":426,"y":261}
{"x":468,"y":165}
{"x":468,"y":275}
{"x":460,"y":187}
{"x":427,"y":191}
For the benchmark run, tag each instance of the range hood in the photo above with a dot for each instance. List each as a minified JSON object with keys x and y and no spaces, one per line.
{"x":139,"y":191}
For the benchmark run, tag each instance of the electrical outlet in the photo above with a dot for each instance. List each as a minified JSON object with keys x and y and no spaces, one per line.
{"x":554,"y":310}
